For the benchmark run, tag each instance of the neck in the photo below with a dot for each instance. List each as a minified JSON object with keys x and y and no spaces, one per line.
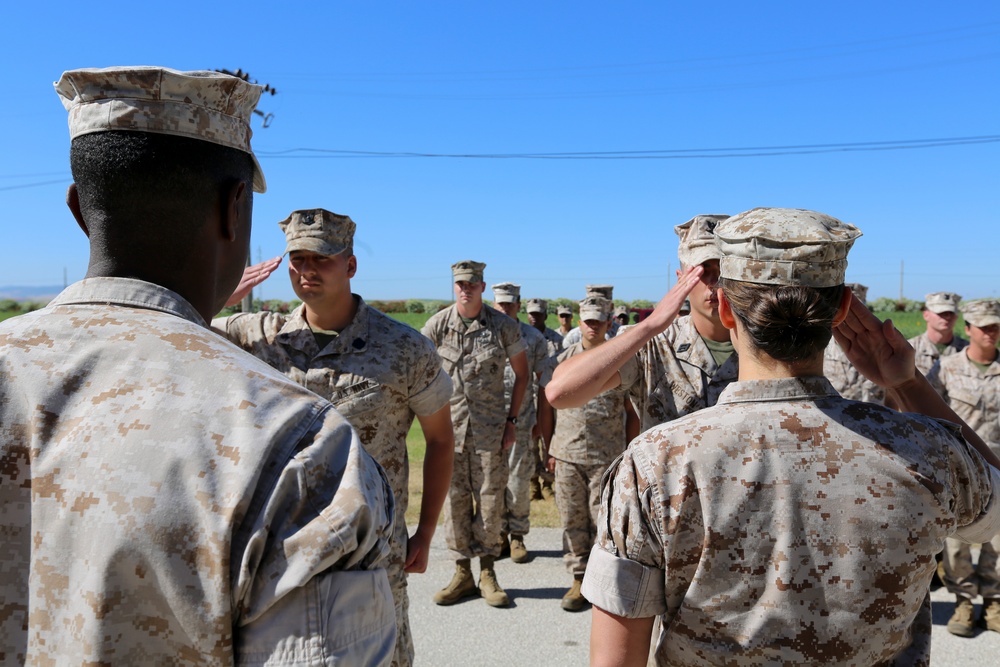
{"x":540,"y":326}
{"x":755,"y":365}
{"x":940,"y":338}
{"x":981,"y":355}
{"x":469,"y":310}
{"x":332,"y":317}
{"x":591,"y":344}
{"x":710,"y":328}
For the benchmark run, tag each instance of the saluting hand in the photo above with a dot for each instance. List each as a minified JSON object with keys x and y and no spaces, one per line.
{"x":666,"y":311}
{"x":253,"y":276}
{"x":876,"y":348}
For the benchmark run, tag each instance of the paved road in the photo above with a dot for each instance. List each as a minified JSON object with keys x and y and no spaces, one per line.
{"x":535,"y":632}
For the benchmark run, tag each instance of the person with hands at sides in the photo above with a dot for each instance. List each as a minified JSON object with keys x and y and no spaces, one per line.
{"x":378,"y":372}
{"x":476,"y":343}
{"x":684,"y":362}
{"x":786,"y":524}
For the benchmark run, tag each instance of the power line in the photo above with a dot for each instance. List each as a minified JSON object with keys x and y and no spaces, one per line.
{"x":660,"y":154}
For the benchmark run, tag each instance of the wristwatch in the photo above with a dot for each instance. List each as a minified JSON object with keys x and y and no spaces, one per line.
{"x":512,"y":420}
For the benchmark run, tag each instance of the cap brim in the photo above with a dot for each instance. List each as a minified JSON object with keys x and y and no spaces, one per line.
{"x":259,"y":184}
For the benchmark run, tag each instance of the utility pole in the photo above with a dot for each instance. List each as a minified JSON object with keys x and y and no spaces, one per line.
{"x":901,"y":280}
{"x":247,"y":304}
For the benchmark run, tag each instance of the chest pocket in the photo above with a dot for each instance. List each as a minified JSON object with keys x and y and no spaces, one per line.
{"x":485,"y":366}
{"x":671,"y":399}
{"x":965,"y":402}
{"x":356,"y":396}
{"x":449,"y":359}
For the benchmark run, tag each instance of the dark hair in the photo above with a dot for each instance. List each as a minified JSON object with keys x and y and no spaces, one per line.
{"x":788,"y":323}
{"x":158,"y":180}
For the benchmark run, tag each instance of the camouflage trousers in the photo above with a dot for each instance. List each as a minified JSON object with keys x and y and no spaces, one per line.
{"x":578,"y":498}
{"x":522,"y":461}
{"x":403,"y":655}
{"x":473,"y":510}
{"x":967,"y":580}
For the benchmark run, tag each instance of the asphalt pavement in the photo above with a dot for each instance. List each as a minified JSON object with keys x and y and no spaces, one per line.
{"x":535,"y":631}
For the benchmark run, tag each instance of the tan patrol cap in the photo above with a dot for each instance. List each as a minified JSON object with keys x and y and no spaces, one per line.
{"x":697,"y":240}
{"x":621,"y":310}
{"x":536,"y":306}
{"x":506,"y":293}
{"x":785,"y":246}
{"x":860,"y":291}
{"x":564,"y":310}
{"x":600,"y":290}
{"x":942,"y":302}
{"x":318,"y":230}
{"x":982,"y":312}
{"x":595,"y":307}
{"x":467,"y":271}
{"x":203,"y":105}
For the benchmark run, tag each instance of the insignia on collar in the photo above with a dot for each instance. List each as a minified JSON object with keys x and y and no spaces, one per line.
{"x":358,"y":344}
{"x":683,"y":348}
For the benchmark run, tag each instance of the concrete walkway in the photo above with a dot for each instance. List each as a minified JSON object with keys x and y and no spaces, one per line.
{"x":535,"y":632}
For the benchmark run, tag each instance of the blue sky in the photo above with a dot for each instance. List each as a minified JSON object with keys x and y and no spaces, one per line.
{"x":516,"y":78}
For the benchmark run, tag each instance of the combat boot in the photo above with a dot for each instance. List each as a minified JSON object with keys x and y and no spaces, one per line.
{"x":574,"y":600}
{"x":489,"y":587}
{"x":518,"y":552}
{"x":462,"y":585}
{"x":548,"y":493}
{"x":961,"y":622}
{"x":991,"y":615}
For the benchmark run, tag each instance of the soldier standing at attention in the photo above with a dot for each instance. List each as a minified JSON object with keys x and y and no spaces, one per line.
{"x":684,"y":363}
{"x":475,"y":344}
{"x":521,"y":458}
{"x":541,"y":481}
{"x":586,"y":440}
{"x":573,"y":337}
{"x":621,"y":316}
{"x":166,"y":497}
{"x":970,"y":383}
{"x":940,"y":313}
{"x":749,"y":527}
{"x":565,"y":314}
{"x":378,"y":372}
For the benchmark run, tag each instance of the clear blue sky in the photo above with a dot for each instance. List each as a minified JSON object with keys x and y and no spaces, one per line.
{"x":502,"y":79}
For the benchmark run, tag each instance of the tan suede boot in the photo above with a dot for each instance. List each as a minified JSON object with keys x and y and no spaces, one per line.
{"x":489,"y":587}
{"x":462,"y":585}
{"x":518,"y":552}
{"x":574,"y":600}
{"x":991,"y":615}
{"x":962,"y":621}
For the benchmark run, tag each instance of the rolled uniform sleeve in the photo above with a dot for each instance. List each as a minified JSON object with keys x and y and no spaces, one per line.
{"x":310,"y":588}
{"x":430,"y":386}
{"x":625,"y":573}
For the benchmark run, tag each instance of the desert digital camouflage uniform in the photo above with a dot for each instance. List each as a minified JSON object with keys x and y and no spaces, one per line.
{"x":475,"y":357}
{"x":522,"y":458}
{"x":554,"y":340}
{"x":379,"y":373}
{"x":678,"y":375}
{"x":926,"y":353}
{"x":835,"y":555}
{"x":586,"y":440}
{"x":169,"y":499}
{"x":975,"y":396}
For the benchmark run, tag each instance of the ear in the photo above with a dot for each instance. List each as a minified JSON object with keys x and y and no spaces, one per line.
{"x":73,"y":202}
{"x":352,"y":266}
{"x":725,"y":311}
{"x":845,"y":305}
{"x":232,"y":211}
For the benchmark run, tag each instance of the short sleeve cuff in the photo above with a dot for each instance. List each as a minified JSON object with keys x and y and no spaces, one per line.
{"x":434,"y":397}
{"x":987,"y":525}
{"x":623,"y":587}
{"x":516,"y":348}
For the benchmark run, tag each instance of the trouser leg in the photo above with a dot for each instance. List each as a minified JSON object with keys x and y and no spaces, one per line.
{"x":959,"y":573}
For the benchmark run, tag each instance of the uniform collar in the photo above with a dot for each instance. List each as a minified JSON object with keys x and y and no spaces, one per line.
{"x":128,"y":292}
{"x":354,"y":338}
{"x":780,"y":389}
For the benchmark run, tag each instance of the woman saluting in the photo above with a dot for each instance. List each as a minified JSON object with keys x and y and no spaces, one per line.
{"x":787,"y":525}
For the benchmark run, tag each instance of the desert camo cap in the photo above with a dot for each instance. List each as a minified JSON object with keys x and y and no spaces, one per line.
{"x":467,"y":271}
{"x":981,"y":312}
{"x":942,"y":302}
{"x":318,"y":230}
{"x":564,"y":310}
{"x":785,"y":246}
{"x":600,"y":290}
{"x":506,"y":293}
{"x":860,"y":291}
{"x":537,"y":306}
{"x":595,"y":307}
{"x":697,"y":240}
{"x":621,"y":310}
{"x":203,"y":105}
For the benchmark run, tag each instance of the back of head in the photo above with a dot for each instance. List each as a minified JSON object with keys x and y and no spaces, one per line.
{"x":782,"y":272}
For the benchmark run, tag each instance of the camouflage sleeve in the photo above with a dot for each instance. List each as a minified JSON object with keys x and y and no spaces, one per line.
{"x":625,"y":574}
{"x":934,"y":377}
{"x":430,"y":387}
{"x":540,"y":355}
{"x":230,"y":328}
{"x":628,"y":374}
{"x":976,"y":489}
{"x":510,"y":337}
{"x":329,"y":508}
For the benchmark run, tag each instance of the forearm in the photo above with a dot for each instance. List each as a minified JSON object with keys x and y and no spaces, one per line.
{"x":619,"y":642}
{"x":917,"y":395}
{"x":581,"y":377}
